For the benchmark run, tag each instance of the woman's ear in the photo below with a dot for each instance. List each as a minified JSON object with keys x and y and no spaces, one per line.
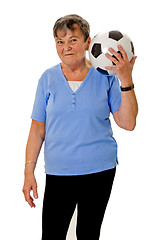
{"x":88,"y":41}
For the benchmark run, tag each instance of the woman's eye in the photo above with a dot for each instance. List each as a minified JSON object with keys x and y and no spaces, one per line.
{"x":59,"y":42}
{"x":74,"y":40}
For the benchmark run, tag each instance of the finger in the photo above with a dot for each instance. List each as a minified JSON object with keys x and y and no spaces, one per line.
{"x":116,"y":55}
{"x":113,"y":59}
{"x":123,"y":52}
{"x":28,"y":198}
{"x":31,"y":202}
{"x":133,"y":61}
{"x":26,"y":193}
{"x":111,"y":68}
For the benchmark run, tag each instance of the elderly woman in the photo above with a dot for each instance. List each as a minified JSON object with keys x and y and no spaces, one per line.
{"x":71,"y":115}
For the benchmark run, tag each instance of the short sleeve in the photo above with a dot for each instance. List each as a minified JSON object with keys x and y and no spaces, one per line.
{"x":114,"y":94}
{"x":40,"y":102}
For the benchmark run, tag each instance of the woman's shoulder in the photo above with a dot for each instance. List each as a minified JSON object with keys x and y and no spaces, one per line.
{"x":50,"y":73}
{"x":53,"y":69}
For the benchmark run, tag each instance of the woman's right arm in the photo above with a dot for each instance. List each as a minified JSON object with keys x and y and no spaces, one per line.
{"x":34,"y":144}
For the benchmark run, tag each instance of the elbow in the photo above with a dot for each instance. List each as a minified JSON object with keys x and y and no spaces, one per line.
{"x":131,"y":126}
{"x":126,"y":124}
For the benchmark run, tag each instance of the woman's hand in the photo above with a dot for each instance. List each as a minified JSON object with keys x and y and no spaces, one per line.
{"x":123,"y":67}
{"x":125,"y":117}
{"x":34,"y":143}
{"x":30,"y":184}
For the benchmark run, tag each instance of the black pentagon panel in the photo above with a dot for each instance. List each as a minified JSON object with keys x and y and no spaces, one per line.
{"x":105,"y":72}
{"x":116,"y":35}
{"x":96,"y":50}
{"x":132,"y":47}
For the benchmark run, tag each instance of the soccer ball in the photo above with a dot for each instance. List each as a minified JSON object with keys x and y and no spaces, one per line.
{"x":99,"y":47}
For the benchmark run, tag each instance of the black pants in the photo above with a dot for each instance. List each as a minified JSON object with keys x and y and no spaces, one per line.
{"x":90,"y":192}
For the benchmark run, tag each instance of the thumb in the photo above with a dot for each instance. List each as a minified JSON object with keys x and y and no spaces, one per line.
{"x":133,"y":61}
{"x":35,"y":193}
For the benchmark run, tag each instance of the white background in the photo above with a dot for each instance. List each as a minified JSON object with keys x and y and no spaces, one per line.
{"x":27,"y":49}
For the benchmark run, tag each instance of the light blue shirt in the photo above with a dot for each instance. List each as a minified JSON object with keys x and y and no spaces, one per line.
{"x":78,"y":135}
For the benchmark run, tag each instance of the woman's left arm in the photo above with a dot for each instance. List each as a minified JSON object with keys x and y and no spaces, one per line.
{"x":125,"y":117}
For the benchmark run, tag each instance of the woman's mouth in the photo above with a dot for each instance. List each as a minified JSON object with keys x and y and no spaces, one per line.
{"x":68,"y":54}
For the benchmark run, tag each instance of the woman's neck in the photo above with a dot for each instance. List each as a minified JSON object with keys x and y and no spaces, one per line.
{"x":85,"y":64}
{"x":76,"y":73}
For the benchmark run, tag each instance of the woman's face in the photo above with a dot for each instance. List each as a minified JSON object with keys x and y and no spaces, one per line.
{"x":71,"y":47}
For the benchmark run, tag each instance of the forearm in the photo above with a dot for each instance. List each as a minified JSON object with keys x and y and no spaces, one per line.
{"x":128,"y":110}
{"x":125,"y":117}
{"x":34,"y":144}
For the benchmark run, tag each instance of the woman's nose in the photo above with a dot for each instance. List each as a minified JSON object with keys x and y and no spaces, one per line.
{"x":67,"y":47}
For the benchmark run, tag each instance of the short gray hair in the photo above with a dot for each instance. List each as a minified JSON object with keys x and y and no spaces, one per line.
{"x":68,"y":21}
